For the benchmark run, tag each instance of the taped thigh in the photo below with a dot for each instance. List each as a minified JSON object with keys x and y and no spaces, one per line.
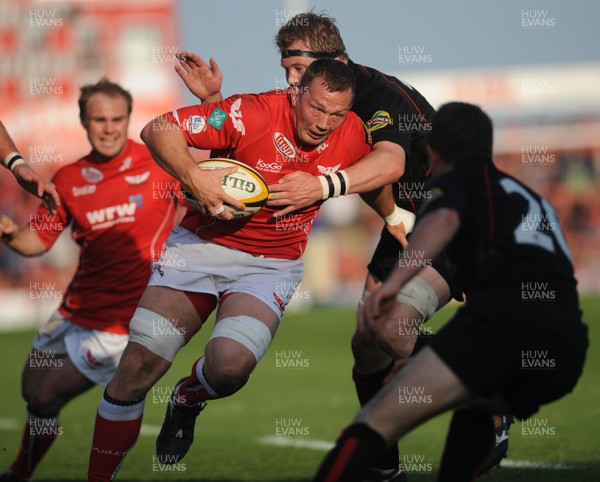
{"x":418,"y":294}
{"x":248,"y":331}
{"x":156,"y":333}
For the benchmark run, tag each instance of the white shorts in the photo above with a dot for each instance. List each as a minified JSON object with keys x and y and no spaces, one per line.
{"x":192,"y":264}
{"x":94,"y":353}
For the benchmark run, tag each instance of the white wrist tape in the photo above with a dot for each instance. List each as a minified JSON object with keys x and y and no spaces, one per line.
{"x":334,"y":185}
{"x":400,"y":215}
{"x":13,"y":160}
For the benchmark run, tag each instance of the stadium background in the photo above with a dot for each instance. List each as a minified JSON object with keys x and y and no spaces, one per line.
{"x":535,"y":66}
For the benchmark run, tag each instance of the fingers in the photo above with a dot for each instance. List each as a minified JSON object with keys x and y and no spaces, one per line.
{"x":403,"y":241}
{"x":279,"y":187}
{"x":214,"y":66}
{"x":373,"y":303}
{"x":188,"y":62}
{"x":7,"y":226}
{"x":275,"y":201}
{"x":51,"y":192}
{"x":233,"y":202}
{"x":226,"y":197}
{"x":399,"y":232}
{"x":50,"y":202}
{"x":192,"y":58}
{"x":183,"y":67}
{"x":283,"y":212}
{"x":221,"y":213}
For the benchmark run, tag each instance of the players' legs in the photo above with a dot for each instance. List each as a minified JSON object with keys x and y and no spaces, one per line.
{"x":415,"y":304}
{"x":243,"y":332}
{"x":376,"y":348}
{"x":386,"y":418}
{"x":49,"y":381}
{"x":164,"y":321}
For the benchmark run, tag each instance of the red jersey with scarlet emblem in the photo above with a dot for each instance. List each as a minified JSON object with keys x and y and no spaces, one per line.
{"x":122,"y":212}
{"x":259,"y":131}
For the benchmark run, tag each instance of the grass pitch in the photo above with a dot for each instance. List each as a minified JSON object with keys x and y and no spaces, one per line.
{"x":301,"y":395}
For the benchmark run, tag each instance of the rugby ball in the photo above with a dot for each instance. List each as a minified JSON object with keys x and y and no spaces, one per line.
{"x":245,"y":184}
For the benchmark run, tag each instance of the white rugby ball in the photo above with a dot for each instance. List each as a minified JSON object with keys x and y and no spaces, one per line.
{"x":246,"y":185}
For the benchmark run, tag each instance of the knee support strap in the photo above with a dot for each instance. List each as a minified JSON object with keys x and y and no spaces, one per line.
{"x":248,"y":331}
{"x":419,"y":295}
{"x":156,"y":333}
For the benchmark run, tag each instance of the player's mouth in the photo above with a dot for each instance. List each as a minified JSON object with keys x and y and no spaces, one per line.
{"x":315,"y":135}
{"x":108,"y":142}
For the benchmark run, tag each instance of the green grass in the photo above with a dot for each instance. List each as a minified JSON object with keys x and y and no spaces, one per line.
{"x":320,"y":397}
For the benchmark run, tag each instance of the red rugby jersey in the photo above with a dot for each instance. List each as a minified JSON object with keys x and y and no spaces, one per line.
{"x":259,"y":130}
{"x":121,"y":212}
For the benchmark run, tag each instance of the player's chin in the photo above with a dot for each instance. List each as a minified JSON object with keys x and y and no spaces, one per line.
{"x":109,"y":152}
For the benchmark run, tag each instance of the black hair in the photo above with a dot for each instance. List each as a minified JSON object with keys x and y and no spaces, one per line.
{"x":460,"y":131}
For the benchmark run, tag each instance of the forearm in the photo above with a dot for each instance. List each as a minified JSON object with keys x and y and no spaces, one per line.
{"x":25,"y":241}
{"x":383,"y":165}
{"x":431,"y":235}
{"x":381,"y":200}
{"x":6,"y":143}
{"x":9,"y":154}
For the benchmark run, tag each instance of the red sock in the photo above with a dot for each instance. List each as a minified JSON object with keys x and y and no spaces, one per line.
{"x":195,"y":388}
{"x":115,"y":433}
{"x":39,"y":434}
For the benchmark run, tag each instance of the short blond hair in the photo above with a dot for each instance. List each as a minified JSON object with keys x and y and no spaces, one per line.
{"x":317,"y":30}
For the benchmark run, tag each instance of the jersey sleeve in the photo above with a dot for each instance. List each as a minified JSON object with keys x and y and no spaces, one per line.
{"x":49,"y":226}
{"x":219,"y":125}
{"x":386,"y":125}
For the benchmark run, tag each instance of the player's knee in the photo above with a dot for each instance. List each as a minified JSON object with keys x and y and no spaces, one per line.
{"x":397,"y":346}
{"x":228,"y":372}
{"x":235,"y":347}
